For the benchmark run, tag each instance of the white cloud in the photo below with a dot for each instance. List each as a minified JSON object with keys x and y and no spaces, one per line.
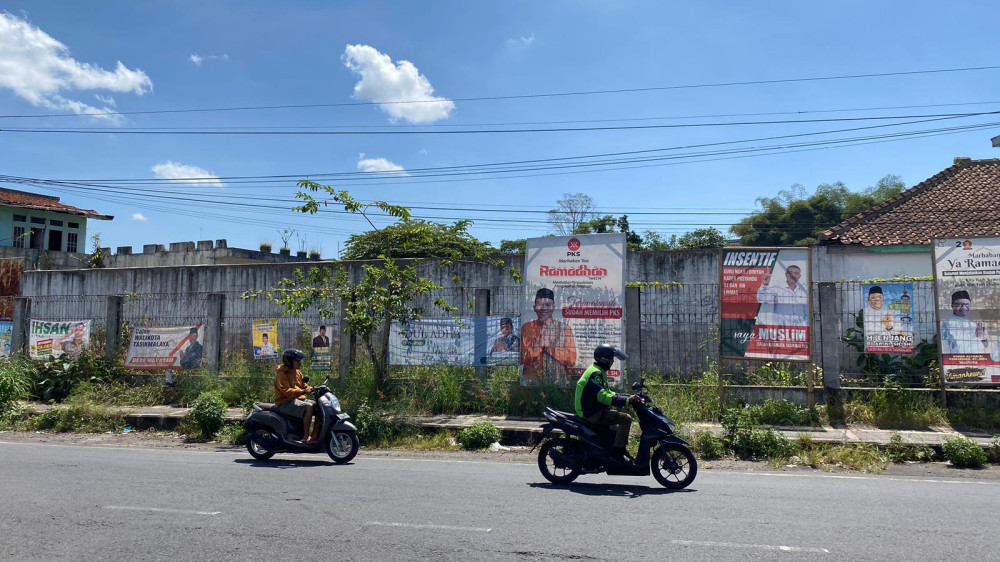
{"x":39,"y":69}
{"x":139,"y":217}
{"x":521,"y":42}
{"x":198,"y":59}
{"x":106,"y":100}
{"x":384,"y":82}
{"x":379,"y":165}
{"x":182,"y":173}
{"x":422,"y":152}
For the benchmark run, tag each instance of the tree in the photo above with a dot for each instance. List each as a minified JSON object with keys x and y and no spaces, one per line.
{"x":573,"y":209}
{"x":794,"y":219}
{"x":418,"y":239}
{"x":608,"y":223}
{"x":383,"y":295}
{"x":516,"y":246}
{"x":701,"y":238}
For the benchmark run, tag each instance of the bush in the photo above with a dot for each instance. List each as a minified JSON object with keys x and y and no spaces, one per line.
{"x":963,"y":452}
{"x":749,"y":442}
{"x":708,"y":445}
{"x":82,"y":417}
{"x":372,"y":428}
{"x":783,"y":412}
{"x":901,"y":452}
{"x":14,"y":384}
{"x":478,"y":436}
{"x":209,"y":413}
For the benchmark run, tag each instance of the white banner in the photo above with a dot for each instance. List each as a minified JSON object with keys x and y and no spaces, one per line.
{"x":165,"y":348}
{"x":54,"y":339}
{"x":433,"y":341}
{"x":574,"y":300}
{"x":967,"y":281}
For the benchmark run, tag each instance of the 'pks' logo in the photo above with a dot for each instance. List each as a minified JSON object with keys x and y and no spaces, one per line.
{"x":574,"y":247}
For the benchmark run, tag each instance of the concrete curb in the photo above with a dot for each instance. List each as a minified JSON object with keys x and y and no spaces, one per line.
{"x":526,"y":430}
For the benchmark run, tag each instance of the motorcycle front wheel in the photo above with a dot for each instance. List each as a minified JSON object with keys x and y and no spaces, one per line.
{"x":550,"y":467}
{"x":673,"y":466}
{"x":342,"y":446}
{"x":257,"y":450}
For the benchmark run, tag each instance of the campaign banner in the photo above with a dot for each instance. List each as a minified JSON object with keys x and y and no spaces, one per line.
{"x":432,"y":341}
{"x":6,"y":332}
{"x":967,"y":285}
{"x":265,"y":338}
{"x":58,"y":339}
{"x":498,"y":340}
{"x":888,"y":317}
{"x":165,"y":348}
{"x":574,"y":300}
{"x":322,"y":356}
{"x":764,"y":301}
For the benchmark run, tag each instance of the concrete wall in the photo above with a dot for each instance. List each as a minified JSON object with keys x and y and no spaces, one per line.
{"x":43,"y":259}
{"x":202,"y":252}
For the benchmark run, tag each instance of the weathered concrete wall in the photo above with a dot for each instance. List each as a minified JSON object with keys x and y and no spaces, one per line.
{"x":838,"y":263}
{"x":44,"y":259}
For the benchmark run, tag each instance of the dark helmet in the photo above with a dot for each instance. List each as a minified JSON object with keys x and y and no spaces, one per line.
{"x":290,"y":355}
{"x":605,"y":354}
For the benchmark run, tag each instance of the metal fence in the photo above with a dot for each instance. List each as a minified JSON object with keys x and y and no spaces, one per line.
{"x":679,"y":325}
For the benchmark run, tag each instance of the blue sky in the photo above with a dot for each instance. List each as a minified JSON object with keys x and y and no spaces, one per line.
{"x":59,"y":59}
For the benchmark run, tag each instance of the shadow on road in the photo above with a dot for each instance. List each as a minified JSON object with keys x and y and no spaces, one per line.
{"x":626,"y":490}
{"x":284,"y":463}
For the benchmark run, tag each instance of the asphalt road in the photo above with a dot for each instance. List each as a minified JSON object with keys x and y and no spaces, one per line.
{"x":64,"y":502}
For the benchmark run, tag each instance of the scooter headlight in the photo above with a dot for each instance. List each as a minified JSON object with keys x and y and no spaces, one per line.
{"x":335,"y":402}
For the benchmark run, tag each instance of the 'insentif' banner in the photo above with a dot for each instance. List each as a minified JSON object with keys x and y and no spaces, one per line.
{"x":765,"y":305}
{"x":165,"y":348}
{"x":574,"y":300}
{"x":967,"y":281}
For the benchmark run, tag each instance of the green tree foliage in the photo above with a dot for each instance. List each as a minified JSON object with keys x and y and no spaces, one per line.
{"x":793,"y":218}
{"x":516,"y":246}
{"x":572,"y":210}
{"x":608,"y":223}
{"x":701,"y":238}
{"x":417,"y":239}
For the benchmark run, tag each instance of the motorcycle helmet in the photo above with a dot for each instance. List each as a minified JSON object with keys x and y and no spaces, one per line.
{"x":290,"y":355}
{"x":605,"y":354}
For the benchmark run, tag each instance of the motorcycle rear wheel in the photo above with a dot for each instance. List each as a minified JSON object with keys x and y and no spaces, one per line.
{"x":342,"y":446}
{"x":673,"y":465}
{"x":257,"y":450}
{"x":547,"y":465}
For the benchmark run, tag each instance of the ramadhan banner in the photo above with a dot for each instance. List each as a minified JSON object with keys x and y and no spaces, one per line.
{"x":888,"y":317}
{"x":764,"y":303}
{"x":55,"y":339}
{"x":574,"y":300}
{"x":165,"y":348}
{"x":967,"y":285}
{"x":265,"y":339}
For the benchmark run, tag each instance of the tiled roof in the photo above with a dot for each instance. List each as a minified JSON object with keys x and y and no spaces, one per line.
{"x":25,"y":200}
{"x":962,"y":200}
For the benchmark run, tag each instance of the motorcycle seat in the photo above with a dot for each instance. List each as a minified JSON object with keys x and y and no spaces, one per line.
{"x":265,"y":406}
{"x":577,"y":419}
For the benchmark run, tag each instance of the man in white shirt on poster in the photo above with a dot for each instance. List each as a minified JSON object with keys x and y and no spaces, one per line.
{"x":960,"y":335}
{"x":789,"y":302}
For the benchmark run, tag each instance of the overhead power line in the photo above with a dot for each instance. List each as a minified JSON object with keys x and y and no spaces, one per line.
{"x":527,"y":96}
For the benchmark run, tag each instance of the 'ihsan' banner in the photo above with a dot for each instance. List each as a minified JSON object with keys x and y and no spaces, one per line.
{"x":55,"y":339}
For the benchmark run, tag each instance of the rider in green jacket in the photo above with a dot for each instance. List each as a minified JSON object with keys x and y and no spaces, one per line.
{"x":594,"y":399}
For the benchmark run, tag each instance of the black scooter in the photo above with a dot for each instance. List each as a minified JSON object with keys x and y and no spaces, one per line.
{"x":270,"y":431}
{"x":587,"y":448}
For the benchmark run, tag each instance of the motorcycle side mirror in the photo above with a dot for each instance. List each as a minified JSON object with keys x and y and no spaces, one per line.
{"x":305,"y":378}
{"x":636,"y":386}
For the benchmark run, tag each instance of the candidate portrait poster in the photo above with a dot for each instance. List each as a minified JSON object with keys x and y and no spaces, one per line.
{"x":887,"y":317}
{"x":322,"y":356}
{"x":6,"y":332}
{"x":177,"y":347}
{"x":58,"y":339}
{"x":433,"y":341}
{"x":574,"y":300}
{"x":498,"y":340}
{"x":265,"y":338}
{"x":967,"y":282}
{"x":765,"y":306}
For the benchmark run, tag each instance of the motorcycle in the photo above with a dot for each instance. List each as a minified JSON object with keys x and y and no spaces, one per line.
{"x":586,"y":448}
{"x":270,"y":431}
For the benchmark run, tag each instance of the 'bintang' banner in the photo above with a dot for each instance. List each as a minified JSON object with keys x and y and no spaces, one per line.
{"x":764,"y":303}
{"x":967,"y":285}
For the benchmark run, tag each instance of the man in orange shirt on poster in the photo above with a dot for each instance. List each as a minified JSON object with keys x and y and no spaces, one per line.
{"x":547,"y":345}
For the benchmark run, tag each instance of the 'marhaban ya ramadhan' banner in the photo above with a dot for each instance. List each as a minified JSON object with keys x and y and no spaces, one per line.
{"x":765,"y":304}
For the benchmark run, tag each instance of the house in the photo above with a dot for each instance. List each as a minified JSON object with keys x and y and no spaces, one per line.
{"x":894,"y":239}
{"x":40,"y":222}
